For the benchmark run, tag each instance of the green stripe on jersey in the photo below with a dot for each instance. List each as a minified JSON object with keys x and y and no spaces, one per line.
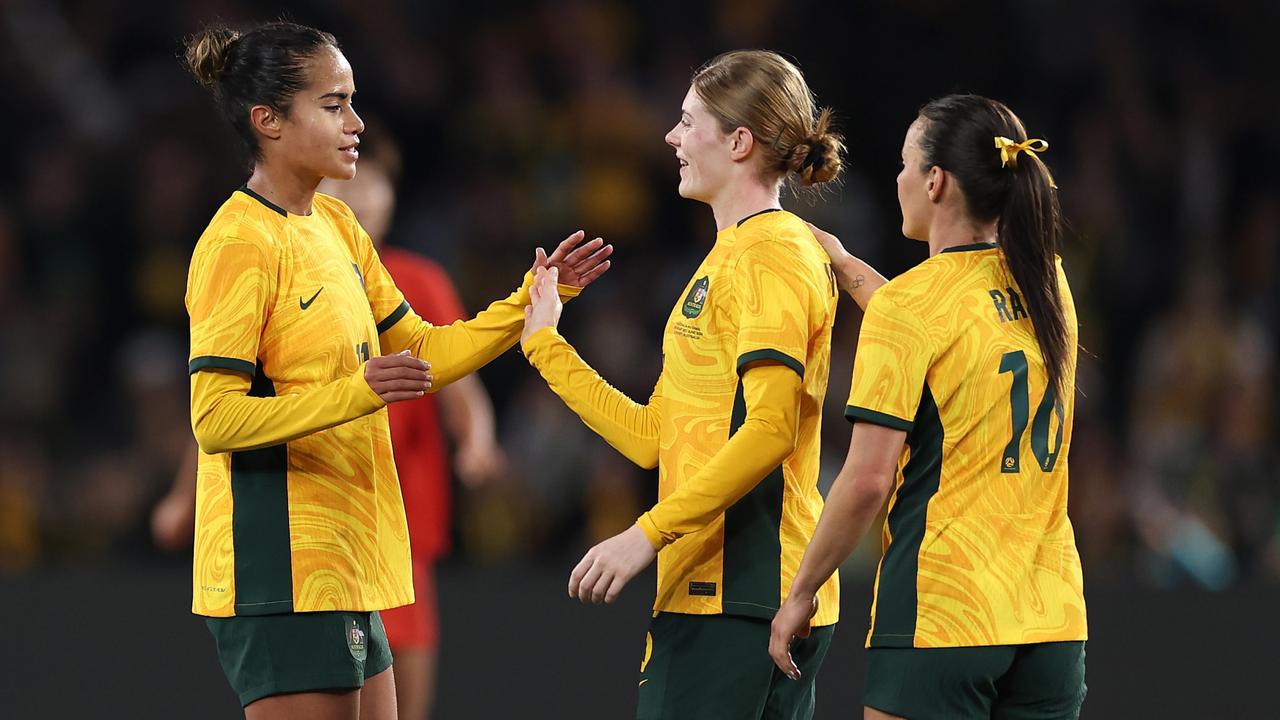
{"x":752,"y":547}
{"x":260,"y":523}
{"x":896,"y":600}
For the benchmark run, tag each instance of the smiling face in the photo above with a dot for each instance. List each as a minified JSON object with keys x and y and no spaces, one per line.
{"x":702,"y":150}
{"x":320,"y":134}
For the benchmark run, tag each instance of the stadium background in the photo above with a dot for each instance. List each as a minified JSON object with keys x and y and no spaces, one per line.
{"x":519,"y":124}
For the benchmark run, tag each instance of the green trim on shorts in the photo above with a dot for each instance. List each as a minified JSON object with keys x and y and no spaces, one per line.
{"x":1039,"y":681}
{"x":267,"y":655}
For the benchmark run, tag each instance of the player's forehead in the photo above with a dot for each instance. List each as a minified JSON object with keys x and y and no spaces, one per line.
{"x":329,"y":75}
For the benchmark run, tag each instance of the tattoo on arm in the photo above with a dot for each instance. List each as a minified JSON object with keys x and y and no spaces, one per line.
{"x":859,"y":281}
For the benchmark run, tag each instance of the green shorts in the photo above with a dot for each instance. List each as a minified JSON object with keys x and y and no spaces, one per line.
{"x":718,"y":666}
{"x":1042,"y":681}
{"x":299,"y":652}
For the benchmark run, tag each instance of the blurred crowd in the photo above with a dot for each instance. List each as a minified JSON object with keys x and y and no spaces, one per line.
{"x":520,"y":124}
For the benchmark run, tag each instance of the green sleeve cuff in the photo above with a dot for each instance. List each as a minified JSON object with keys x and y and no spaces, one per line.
{"x":390,"y":321}
{"x":206,"y":362}
{"x":860,"y":414}
{"x":771,"y":355}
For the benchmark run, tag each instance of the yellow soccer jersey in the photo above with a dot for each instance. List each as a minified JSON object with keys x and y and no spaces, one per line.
{"x":298,"y":506}
{"x":978,"y":549}
{"x":764,"y":292}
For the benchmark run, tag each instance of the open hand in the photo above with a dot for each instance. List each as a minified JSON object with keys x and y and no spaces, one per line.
{"x":579,"y":263}
{"x":398,"y":377}
{"x":609,"y":566}
{"x":853,"y":274}
{"x":791,"y":622}
{"x":544,"y":304}
{"x":833,"y":247}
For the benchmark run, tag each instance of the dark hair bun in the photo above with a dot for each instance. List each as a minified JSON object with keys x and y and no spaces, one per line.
{"x":207,"y":53}
{"x":817,"y":158}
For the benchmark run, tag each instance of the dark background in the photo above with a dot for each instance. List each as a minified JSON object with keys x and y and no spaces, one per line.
{"x":520,"y":123}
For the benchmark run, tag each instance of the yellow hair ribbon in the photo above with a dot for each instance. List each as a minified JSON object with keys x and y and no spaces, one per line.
{"x":1009,"y":150}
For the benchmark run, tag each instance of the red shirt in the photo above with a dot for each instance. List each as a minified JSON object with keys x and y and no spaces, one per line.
{"x":417,"y":437}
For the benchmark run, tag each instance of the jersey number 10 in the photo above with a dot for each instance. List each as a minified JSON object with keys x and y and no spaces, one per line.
{"x":1019,"y":398}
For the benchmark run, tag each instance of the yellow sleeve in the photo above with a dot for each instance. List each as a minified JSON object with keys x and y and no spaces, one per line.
{"x":226,"y":419}
{"x":231,"y":286}
{"x":774,"y":307}
{"x":767,"y":436}
{"x":889,"y":368}
{"x":455,"y":350}
{"x":628,"y":426}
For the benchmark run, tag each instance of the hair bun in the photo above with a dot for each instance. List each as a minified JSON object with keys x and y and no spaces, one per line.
{"x":207,"y":54}
{"x":817,"y":158}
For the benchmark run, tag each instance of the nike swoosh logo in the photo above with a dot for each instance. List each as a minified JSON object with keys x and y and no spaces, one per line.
{"x":307,"y":304}
{"x":642,"y":682}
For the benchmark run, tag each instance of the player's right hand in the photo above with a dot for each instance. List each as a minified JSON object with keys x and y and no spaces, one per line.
{"x":791,"y":622}
{"x":545,"y":305}
{"x":398,"y":377}
{"x":834,"y":249}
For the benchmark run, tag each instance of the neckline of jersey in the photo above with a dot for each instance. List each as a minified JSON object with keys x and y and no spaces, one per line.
{"x":972,"y":246}
{"x":756,"y":214}
{"x":272,"y":206}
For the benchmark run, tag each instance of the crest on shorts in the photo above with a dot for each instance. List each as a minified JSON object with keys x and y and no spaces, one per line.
{"x":356,"y":642}
{"x":697,"y":297}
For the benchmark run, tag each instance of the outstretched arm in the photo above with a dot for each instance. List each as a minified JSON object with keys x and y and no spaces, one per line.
{"x":457,"y":350}
{"x":628,"y":426}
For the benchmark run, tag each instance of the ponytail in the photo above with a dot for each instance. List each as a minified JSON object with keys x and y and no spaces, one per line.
{"x":957,"y":136}
{"x":1029,"y":232}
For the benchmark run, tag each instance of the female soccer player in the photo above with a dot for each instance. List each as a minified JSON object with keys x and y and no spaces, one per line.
{"x":418,"y":435}
{"x":962,"y":406}
{"x":299,"y":339}
{"x":733,"y":423}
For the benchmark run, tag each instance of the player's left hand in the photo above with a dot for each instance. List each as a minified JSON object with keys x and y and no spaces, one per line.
{"x":609,"y":566}
{"x":579,"y":263}
{"x":791,"y":622}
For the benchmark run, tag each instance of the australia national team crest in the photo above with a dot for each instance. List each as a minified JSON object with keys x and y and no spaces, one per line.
{"x":697,"y":297}
{"x":356,"y":642}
